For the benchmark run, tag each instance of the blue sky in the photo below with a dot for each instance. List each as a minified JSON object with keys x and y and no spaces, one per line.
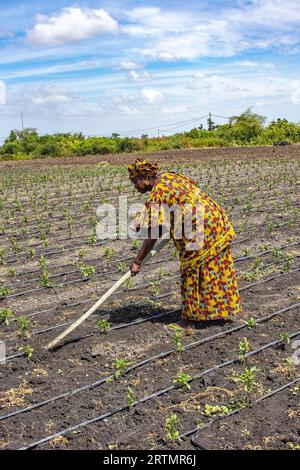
{"x":116,"y":66}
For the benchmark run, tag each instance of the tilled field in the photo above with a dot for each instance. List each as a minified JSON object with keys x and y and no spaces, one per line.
{"x":231,"y":385}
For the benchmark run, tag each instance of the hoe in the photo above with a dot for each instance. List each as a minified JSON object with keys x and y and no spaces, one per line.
{"x":157,"y":247}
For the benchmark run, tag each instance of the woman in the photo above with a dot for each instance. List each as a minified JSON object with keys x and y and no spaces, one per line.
{"x":208,"y":280}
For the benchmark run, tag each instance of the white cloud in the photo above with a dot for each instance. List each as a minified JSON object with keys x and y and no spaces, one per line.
{"x":71,"y":24}
{"x":134,"y":76}
{"x":2,"y":92}
{"x":295,"y":96}
{"x":151,"y":96}
{"x":247,"y":63}
{"x":256,"y":24}
{"x":128,"y":65}
{"x":46,"y":96}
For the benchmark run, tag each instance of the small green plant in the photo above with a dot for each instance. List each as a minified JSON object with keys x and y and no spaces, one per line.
{"x":87,"y":271}
{"x":11,"y":271}
{"x":177,"y":337}
{"x":183,"y":379}
{"x":294,"y":446}
{"x":131,"y":398}
{"x":122,"y":266}
{"x":81,"y":253}
{"x":42,"y":262}
{"x":212,"y":410}
{"x":247,"y":378}
{"x":23,"y":324}
{"x":4,"y":291}
{"x":170,"y":428}
{"x":244,"y":348}
{"x":103,"y":326}
{"x":31,"y":253}
{"x":285,"y":338}
{"x":2,"y":255}
{"x":128,"y":284}
{"x":251,"y":323}
{"x":27,"y":350}
{"x":120,"y":365}
{"x":6,"y":316}
{"x":154,"y":287}
{"x":109,"y":253}
{"x":91,"y":240}
{"x":135,"y":244}
{"x":44,"y":277}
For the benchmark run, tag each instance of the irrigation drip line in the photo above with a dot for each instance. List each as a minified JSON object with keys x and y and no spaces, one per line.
{"x":92,"y":260}
{"x":196,"y":430}
{"x":147,"y":361}
{"x":149,"y":397}
{"x":76,"y":281}
{"x":140,"y":303}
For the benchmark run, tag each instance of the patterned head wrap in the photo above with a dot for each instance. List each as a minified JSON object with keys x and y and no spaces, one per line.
{"x":142,"y":167}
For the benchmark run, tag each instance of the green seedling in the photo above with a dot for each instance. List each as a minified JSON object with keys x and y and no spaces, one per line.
{"x":244,"y":348}
{"x":120,"y":365}
{"x":2,"y":255}
{"x":213,"y":410}
{"x":154,"y":288}
{"x":31,"y":253}
{"x":92,"y":240}
{"x":135,"y":244}
{"x":11,"y":271}
{"x":23,"y":324}
{"x":251,"y":323}
{"x":122,"y":266}
{"x":6,"y":315}
{"x":87,"y":271}
{"x":42,"y":262}
{"x":170,"y":428}
{"x":81,"y":253}
{"x":27,"y":350}
{"x":285,"y":338}
{"x":103,"y":326}
{"x":247,"y":378}
{"x":128,"y":284}
{"x":131,"y":398}
{"x":44,"y":277}
{"x":4,"y":291}
{"x":177,"y":337}
{"x":109,"y":253}
{"x":183,"y":379}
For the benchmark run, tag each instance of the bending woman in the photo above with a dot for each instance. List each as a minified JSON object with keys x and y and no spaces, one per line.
{"x":209,"y":287}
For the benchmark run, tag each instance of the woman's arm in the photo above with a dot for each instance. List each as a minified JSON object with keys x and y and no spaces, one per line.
{"x":147,"y":246}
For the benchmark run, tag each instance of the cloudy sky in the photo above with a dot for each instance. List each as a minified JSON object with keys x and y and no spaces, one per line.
{"x":122,"y":66}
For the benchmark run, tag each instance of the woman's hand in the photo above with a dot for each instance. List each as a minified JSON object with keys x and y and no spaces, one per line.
{"x":135,"y":268}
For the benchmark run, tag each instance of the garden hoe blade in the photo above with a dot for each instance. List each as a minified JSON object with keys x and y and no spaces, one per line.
{"x":157,"y":247}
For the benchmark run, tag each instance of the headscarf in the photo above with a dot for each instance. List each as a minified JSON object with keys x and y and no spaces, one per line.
{"x":142,"y":167}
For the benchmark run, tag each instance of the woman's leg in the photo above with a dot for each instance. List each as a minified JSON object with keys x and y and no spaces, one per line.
{"x":210,"y":292}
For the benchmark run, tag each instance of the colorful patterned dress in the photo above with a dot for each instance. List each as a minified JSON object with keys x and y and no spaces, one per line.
{"x":208,"y":279}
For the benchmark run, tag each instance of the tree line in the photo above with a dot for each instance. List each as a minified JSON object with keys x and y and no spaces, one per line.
{"x":245,"y":129}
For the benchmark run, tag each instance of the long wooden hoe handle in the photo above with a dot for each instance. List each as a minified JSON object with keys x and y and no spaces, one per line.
{"x":157,"y":247}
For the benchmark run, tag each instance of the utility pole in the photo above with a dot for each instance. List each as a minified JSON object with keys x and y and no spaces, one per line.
{"x":158,"y":133}
{"x":22,"y":120}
